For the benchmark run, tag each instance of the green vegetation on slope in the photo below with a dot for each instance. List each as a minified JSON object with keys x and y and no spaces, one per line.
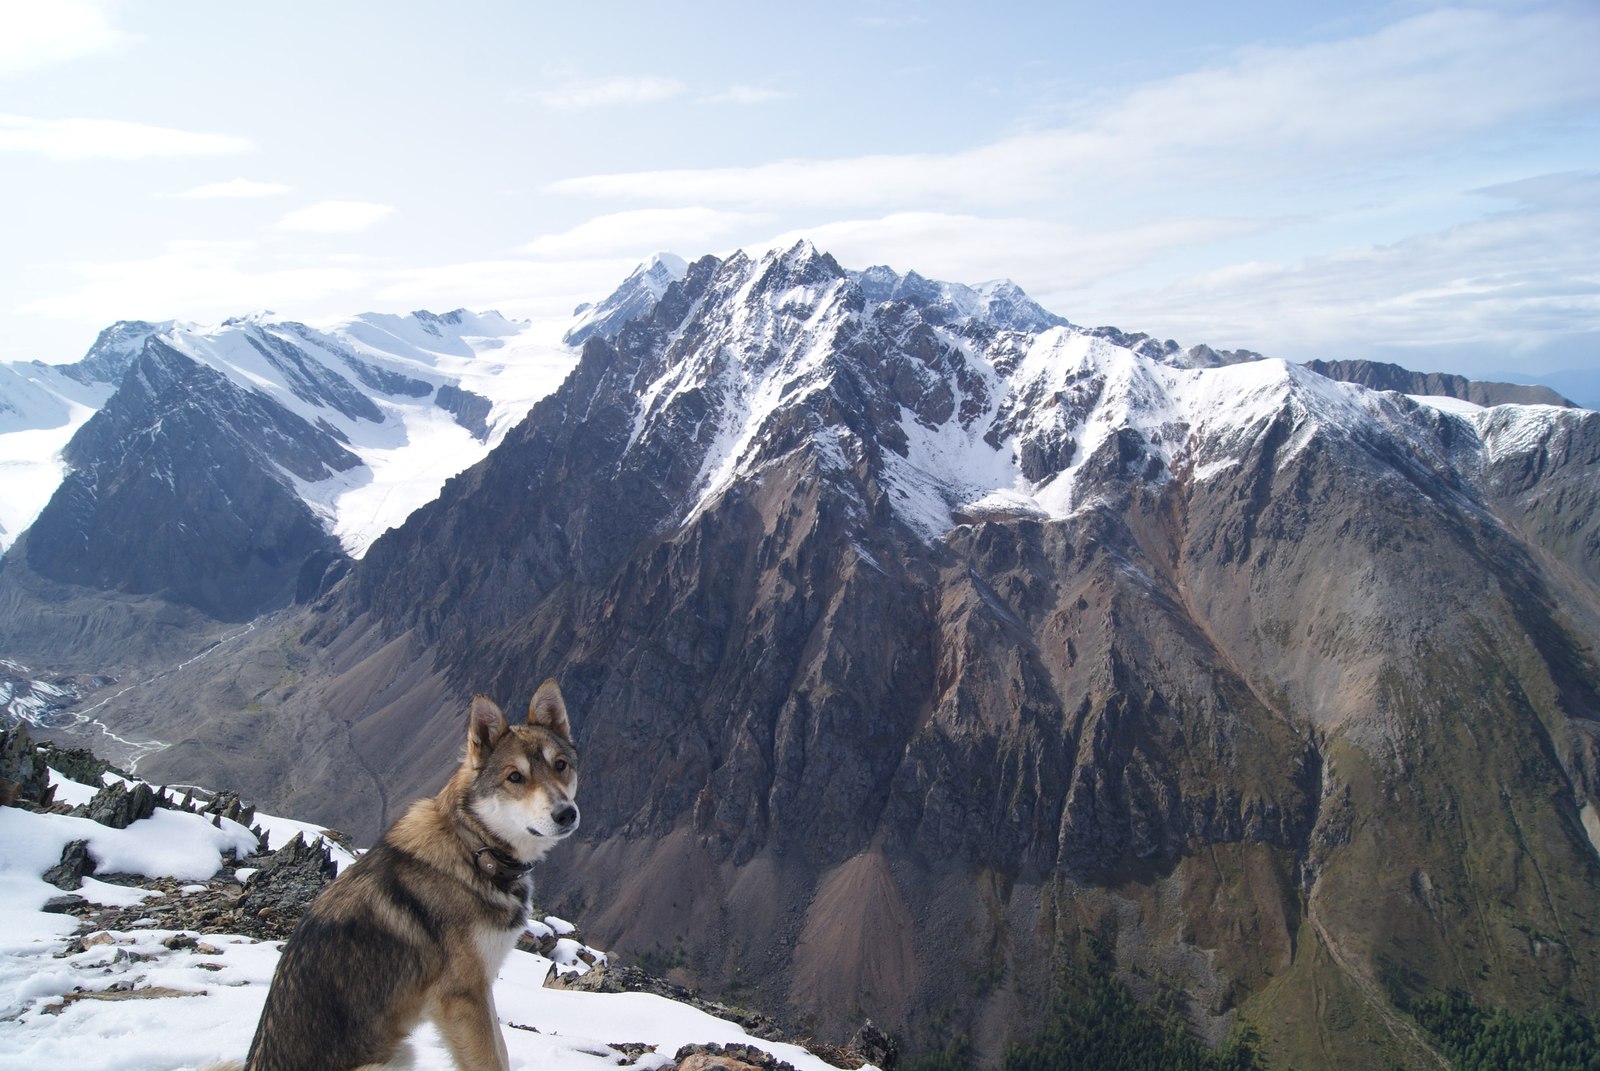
{"x":1495,"y":1039}
{"x":1096,"y":1023}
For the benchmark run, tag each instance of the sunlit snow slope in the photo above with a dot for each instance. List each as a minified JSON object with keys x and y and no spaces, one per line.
{"x":415,"y":398}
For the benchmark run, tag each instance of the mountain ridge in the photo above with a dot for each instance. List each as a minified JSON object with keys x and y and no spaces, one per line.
{"x":414,"y":397}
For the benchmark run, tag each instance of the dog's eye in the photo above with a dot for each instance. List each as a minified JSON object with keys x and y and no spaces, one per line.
{"x":560,"y":765}
{"x":515,"y":777}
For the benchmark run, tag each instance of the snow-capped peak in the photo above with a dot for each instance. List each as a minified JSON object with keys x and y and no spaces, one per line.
{"x":639,"y":292}
{"x":416,"y":398}
{"x":973,"y":399}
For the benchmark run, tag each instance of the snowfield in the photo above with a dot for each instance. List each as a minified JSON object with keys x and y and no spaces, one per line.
{"x":128,"y":1002}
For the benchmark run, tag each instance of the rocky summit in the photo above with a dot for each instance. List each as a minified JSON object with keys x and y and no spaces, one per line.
{"x":915,"y":637}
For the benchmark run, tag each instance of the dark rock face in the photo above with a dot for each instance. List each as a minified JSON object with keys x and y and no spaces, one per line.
{"x":118,"y":806}
{"x":470,"y":410}
{"x":288,"y":880}
{"x":24,"y":777}
{"x":1381,"y":376}
{"x":114,"y":351}
{"x":177,"y":486}
{"x":76,"y":862}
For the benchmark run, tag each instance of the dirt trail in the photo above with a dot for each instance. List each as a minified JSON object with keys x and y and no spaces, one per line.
{"x":125,"y":752}
{"x":1403,"y":1029}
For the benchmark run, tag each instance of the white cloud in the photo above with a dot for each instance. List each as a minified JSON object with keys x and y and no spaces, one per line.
{"x":1042,"y":256}
{"x":1417,"y":83}
{"x":529,"y":288}
{"x":235,"y":188}
{"x":35,"y":34}
{"x":335,"y":217}
{"x":196,"y":280}
{"x":745,"y":94}
{"x":581,"y":94}
{"x":1520,"y":280}
{"x":87,"y":139}
{"x":691,"y":230}
{"x":866,"y":180}
{"x":211,"y":280}
{"x":1311,"y":114}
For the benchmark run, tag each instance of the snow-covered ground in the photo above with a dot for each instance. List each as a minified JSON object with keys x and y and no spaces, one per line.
{"x":127,"y":1002}
{"x":40,"y":410}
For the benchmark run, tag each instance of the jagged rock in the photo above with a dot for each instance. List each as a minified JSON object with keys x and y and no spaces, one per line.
{"x":22,"y":768}
{"x":63,"y":905}
{"x":705,"y":1061}
{"x":630,"y":1050}
{"x":75,"y":863}
{"x":875,"y":1047}
{"x":290,"y":878}
{"x":728,"y":1058}
{"x":119,"y":806}
{"x":79,"y":764}
{"x":228,"y":805}
{"x":606,"y":978}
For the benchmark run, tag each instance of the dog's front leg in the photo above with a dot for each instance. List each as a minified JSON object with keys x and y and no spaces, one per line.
{"x":471,"y":1031}
{"x":499,"y":1034}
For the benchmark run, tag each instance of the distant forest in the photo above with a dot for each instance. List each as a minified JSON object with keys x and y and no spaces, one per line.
{"x":1096,"y":1023}
{"x":1494,"y":1039}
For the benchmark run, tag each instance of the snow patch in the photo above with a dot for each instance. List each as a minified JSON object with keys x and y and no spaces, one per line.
{"x":1445,"y":404}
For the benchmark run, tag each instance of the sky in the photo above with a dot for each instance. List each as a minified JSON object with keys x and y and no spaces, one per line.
{"x":1398,"y":180}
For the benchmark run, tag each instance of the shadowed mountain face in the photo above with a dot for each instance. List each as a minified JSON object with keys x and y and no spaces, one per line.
{"x":177,"y":486}
{"x":1380,"y":376}
{"x":910,"y":632}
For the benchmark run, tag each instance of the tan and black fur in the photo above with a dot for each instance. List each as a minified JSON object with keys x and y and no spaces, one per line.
{"x":419,"y":926}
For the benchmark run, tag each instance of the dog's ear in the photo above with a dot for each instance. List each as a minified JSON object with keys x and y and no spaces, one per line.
{"x":549,"y":710}
{"x":485,"y":726}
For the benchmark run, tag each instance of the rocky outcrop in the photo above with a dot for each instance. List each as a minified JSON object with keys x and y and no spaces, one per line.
{"x":24,"y":777}
{"x":1381,"y":376}
{"x":119,"y":806}
{"x":470,"y":410}
{"x":278,"y":893}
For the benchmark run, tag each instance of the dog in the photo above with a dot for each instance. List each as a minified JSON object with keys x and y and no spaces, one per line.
{"x":419,"y":926}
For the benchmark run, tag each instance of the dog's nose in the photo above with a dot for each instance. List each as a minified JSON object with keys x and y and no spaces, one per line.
{"x":565,"y":815}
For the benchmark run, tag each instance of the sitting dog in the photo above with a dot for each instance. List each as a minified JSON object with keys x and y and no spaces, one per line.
{"x":419,"y":926}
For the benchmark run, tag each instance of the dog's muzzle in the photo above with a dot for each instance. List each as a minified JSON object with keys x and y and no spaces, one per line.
{"x":566,"y":819}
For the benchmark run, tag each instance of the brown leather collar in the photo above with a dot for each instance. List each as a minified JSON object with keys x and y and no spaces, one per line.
{"x":499,"y":867}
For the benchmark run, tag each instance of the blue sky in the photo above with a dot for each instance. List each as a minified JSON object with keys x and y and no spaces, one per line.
{"x":1403,"y":181}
